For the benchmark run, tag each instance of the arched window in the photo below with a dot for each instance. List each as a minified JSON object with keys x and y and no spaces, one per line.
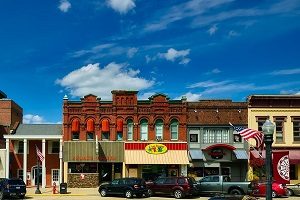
{"x":105,"y":129}
{"x":75,"y":129}
{"x":129,"y":129}
{"x":90,"y":129}
{"x":144,"y":129}
{"x":119,"y":129}
{"x":174,"y":129}
{"x":159,"y":127}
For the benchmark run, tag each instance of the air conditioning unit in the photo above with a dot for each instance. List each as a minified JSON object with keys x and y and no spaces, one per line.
{"x":158,"y":138}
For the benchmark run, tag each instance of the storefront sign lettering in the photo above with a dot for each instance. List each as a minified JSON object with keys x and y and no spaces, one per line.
{"x":89,"y":158}
{"x":216,"y":153}
{"x":156,"y":149}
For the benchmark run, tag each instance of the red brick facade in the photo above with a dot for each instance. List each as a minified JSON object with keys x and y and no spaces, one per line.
{"x":124,"y":106}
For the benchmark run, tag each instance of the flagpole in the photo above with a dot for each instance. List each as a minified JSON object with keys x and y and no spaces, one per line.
{"x":37,"y":191}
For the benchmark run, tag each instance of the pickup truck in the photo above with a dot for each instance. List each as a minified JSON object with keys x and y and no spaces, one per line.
{"x":219,"y":184}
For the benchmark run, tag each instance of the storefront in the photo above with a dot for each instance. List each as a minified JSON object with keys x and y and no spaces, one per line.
{"x":89,"y":163}
{"x":219,"y":159}
{"x":152,"y":160}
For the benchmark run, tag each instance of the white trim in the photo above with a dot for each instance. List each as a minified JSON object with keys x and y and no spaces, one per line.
{"x":44,"y":164}
{"x":32,"y":136}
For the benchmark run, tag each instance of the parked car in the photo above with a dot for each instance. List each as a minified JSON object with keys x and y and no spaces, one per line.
{"x":127,"y":187}
{"x":293,"y":189}
{"x":179,"y":187}
{"x":12,"y":188}
{"x":278,"y":189}
{"x":220,"y":184}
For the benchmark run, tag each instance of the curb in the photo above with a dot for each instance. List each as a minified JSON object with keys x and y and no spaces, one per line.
{"x":32,"y":195}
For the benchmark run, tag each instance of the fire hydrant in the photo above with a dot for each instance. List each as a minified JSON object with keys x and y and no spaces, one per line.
{"x":54,"y":188}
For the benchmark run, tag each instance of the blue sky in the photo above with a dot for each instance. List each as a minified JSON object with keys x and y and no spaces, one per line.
{"x":203,"y":49}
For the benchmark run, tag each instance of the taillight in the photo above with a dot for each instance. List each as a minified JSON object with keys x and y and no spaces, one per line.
{"x":281,"y":186}
{"x":136,"y":186}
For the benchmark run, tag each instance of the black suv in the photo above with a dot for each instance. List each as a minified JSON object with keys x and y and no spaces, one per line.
{"x":124,"y":186}
{"x":12,"y":187}
{"x":179,"y":187}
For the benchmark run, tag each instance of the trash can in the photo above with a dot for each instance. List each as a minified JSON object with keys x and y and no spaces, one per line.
{"x":63,"y":188}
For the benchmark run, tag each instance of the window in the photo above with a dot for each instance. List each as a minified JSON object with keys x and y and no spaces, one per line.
{"x":260,"y":121}
{"x":75,"y":136}
{"x":129,"y":129}
{"x":119,"y":136}
{"x":144,"y":129}
{"x":279,"y":122}
{"x":21,"y":147}
{"x":296,"y":128}
{"x":170,"y":181}
{"x":213,"y":135}
{"x":20,"y":173}
{"x":105,"y":136}
{"x":293,"y":172}
{"x":90,"y":136}
{"x":237,"y":138}
{"x":55,"y":147}
{"x":193,"y":137}
{"x":159,"y":126}
{"x":174,"y":130}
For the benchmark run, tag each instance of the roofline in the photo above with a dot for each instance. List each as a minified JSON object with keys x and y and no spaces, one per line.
{"x":36,"y":137}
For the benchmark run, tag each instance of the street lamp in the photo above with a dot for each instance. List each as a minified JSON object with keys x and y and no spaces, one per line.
{"x":268,"y":130}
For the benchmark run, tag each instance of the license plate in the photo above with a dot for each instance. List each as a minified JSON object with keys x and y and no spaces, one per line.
{"x":17,"y":187}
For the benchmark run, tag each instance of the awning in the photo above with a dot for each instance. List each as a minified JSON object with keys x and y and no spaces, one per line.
{"x":241,"y":154}
{"x":179,"y":157}
{"x":196,"y":154}
{"x":226,"y":146}
{"x":294,"y":155}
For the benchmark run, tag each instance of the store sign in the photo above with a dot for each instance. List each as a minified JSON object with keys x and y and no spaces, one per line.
{"x":216,"y":153}
{"x":156,"y":149}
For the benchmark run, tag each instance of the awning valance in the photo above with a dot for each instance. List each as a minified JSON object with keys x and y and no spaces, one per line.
{"x":241,"y":154}
{"x":226,"y":146}
{"x":294,"y":155}
{"x":196,"y":154}
{"x":170,"y":157}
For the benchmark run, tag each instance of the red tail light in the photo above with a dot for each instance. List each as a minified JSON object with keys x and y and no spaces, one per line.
{"x":136,"y":186}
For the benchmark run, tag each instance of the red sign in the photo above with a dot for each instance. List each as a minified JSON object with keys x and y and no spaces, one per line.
{"x":81,"y":176}
{"x":281,"y":167}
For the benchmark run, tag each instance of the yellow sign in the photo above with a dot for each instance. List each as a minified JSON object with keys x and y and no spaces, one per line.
{"x":156,"y":148}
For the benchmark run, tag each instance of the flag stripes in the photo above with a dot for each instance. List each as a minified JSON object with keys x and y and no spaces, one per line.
{"x":39,"y":154}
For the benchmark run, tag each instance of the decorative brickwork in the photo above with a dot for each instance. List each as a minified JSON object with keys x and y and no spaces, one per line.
{"x":86,"y":181}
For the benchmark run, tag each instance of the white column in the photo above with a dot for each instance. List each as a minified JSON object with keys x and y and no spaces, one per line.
{"x":44,"y":164}
{"x":25,"y":161}
{"x":7,"y":159}
{"x":60,"y":161}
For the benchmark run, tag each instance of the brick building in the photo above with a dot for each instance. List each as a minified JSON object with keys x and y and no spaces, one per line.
{"x":11,"y":115}
{"x":124,"y":137}
{"x":215,"y":148}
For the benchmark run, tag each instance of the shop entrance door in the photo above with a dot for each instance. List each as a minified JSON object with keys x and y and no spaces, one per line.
{"x":105,"y":172}
{"x":34,"y":173}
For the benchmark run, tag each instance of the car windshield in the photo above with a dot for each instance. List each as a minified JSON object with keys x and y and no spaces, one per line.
{"x":191,"y":180}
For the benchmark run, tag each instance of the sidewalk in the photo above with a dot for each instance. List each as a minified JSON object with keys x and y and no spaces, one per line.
{"x":70,"y":192}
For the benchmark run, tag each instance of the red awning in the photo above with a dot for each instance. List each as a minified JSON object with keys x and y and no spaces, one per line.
{"x":90,"y":125}
{"x":226,"y":146}
{"x":75,"y":125}
{"x":294,"y":155}
{"x":105,"y":125}
{"x":119,"y":125}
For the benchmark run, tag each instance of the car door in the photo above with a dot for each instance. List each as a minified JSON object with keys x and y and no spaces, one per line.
{"x":158,"y":185}
{"x":169,"y":183}
{"x":113,"y":187}
{"x":209,"y":184}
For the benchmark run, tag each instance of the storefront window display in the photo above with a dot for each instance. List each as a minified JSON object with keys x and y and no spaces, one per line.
{"x":83,"y":168}
{"x":202,"y":171}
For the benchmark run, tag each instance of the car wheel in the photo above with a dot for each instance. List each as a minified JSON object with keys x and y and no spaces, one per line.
{"x":235,"y":192}
{"x":128,"y":194}
{"x":149,"y":193}
{"x":103,"y":192}
{"x":290,"y":192}
{"x":274,"y":194}
{"x":178,"y":194}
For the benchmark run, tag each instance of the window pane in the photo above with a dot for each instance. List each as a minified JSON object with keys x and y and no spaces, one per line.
{"x":144,"y":130}
{"x":174,"y":130}
{"x":105,"y":136}
{"x":75,"y":136}
{"x":21,"y":147}
{"x":90,"y":136}
{"x":55,"y":147}
{"x":119,"y":136}
{"x":193,"y":137}
{"x":129,"y":130}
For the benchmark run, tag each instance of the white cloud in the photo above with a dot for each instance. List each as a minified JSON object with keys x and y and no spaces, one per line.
{"x":213,"y":29}
{"x":94,"y":50}
{"x":64,"y":5}
{"x":286,"y":72}
{"x":33,"y":119}
{"x":214,"y":71}
{"x":173,"y":54}
{"x":190,"y":96}
{"x":207,"y":84}
{"x":121,"y":6}
{"x":131,"y":52}
{"x":92,"y":79}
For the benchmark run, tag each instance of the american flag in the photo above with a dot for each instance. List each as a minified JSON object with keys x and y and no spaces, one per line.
{"x":39,"y":154}
{"x":248,"y":133}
